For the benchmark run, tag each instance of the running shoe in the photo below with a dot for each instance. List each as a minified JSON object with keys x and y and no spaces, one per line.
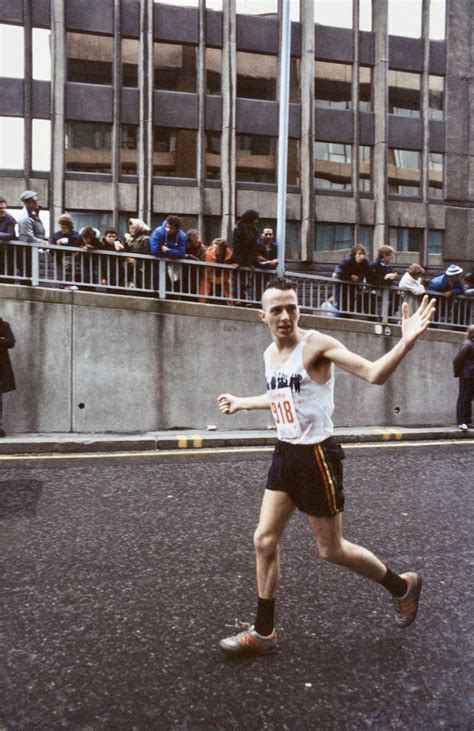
{"x":406,"y":606}
{"x":249,"y":642}
{"x":463,"y":427}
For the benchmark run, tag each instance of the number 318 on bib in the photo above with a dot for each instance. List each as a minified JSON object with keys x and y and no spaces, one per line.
{"x":282,"y":412}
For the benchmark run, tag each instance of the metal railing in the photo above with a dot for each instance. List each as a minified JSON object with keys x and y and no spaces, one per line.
{"x":139,"y":274}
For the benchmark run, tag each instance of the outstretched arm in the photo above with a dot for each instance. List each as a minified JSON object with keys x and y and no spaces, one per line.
{"x":230,"y":404}
{"x":378,"y":371}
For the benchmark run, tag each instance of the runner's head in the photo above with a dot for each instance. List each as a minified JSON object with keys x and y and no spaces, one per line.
{"x":280,"y":309}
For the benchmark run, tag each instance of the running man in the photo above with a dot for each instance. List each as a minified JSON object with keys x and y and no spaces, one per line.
{"x":306,"y":471}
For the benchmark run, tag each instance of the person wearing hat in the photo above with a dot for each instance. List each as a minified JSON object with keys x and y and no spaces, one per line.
{"x":30,"y":229}
{"x":448,"y":284}
{"x":7,"y":379}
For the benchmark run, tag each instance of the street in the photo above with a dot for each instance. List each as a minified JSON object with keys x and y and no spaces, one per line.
{"x":121,"y":574}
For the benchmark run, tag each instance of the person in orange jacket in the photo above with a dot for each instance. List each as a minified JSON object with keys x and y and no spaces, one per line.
{"x":214,"y":279}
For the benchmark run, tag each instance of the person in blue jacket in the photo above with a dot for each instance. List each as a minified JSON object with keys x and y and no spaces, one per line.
{"x":448,"y":284}
{"x":169,"y":240}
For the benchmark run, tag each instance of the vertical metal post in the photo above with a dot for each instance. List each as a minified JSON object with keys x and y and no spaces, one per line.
{"x":228,"y":149}
{"x":425,"y":116}
{"x":201,"y":136}
{"x":355,"y":119}
{"x":145,"y":137}
{"x":380,"y":29}
{"x":58,"y":106}
{"x":307,"y":130}
{"x":117,"y":113}
{"x":28,"y":93}
{"x":284,"y":100}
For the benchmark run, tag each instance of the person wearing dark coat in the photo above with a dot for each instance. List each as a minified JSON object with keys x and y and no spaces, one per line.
{"x":463,"y":366}
{"x":7,"y":378}
{"x":355,"y":269}
{"x":245,"y":253}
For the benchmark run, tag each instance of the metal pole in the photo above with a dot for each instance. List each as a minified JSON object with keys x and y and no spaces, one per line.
{"x":284,"y":98}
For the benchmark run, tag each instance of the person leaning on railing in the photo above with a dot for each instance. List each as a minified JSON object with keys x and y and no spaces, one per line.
{"x":111,"y":268}
{"x":137,"y":241}
{"x":354,"y":269}
{"x":383,"y":274}
{"x":66,"y":236}
{"x":412,"y":286}
{"x":7,"y":234}
{"x":218,"y":253}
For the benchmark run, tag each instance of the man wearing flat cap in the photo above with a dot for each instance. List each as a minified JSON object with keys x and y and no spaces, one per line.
{"x":448,"y":284}
{"x":30,"y":229}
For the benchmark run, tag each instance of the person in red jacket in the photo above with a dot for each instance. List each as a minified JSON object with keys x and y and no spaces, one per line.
{"x":216,"y":280}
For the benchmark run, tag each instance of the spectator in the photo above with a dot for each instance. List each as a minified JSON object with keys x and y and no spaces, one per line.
{"x":169,"y":241}
{"x":328,"y":308}
{"x":7,"y":234}
{"x":412,"y":286}
{"x":380,"y":270}
{"x":88,"y":264}
{"x":31,"y":231}
{"x":216,"y":280}
{"x":245,"y":253}
{"x":469,"y":284}
{"x":195,"y":249}
{"x":463,"y":366}
{"x":382,"y":273}
{"x":448,"y":284}
{"x":137,"y":241}
{"x":355,"y":269}
{"x":66,"y":236}
{"x":267,"y":250}
{"x":7,"y":378}
{"x":112,"y":265}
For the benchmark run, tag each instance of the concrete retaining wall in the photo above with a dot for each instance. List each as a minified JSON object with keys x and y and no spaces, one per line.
{"x":103,"y":363}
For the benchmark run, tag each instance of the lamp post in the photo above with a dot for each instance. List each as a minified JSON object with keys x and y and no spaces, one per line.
{"x":284,"y":100}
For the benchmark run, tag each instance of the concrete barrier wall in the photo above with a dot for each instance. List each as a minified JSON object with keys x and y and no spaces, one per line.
{"x":93,"y":363}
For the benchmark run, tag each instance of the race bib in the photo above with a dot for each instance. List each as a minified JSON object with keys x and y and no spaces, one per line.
{"x":284,"y":413}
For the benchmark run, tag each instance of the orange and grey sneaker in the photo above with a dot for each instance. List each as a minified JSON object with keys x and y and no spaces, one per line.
{"x":249,"y":642}
{"x":406,"y":606}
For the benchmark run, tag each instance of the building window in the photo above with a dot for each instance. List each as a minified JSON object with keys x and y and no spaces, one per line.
{"x":399,"y":11}
{"x":41,"y":143}
{"x":175,"y":67}
{"x":256,"y":158}
{"x":435,"y":241}
{"x":293,"y":173}
{"x":295,"y":96}
{"x":435,"y":170}
{"x":256,"y":76}
{"x":130,"y":59}
{"x":333,"y":236}
{"x":366,"y":237}
{"x":365,"y":15}
{"x":213,"y":155}
{"x":403,"y":93}
{"x":404,"y":172}
{"x":365,"y":168}
{"x":332,"y":85}
{"x":96,"y":219}
{"x":41,"y":54}
{"x":333,"y":165}
{"x":12,"y":131}
{"x":174,"y":152}
{"x":213,"y":71}
{"x":12,"y":52}
{"x":88,"y":147}
{"x":335,"y":14}
{"x":212,"y":229}
{"x":437,"y":20}
{"x":365,"y":88}
{"x":436,"y":97}
{"x":128,"y":149}
{"x":263,"y":7}
{"x":89,"y":58}
{"x":406,"y":240}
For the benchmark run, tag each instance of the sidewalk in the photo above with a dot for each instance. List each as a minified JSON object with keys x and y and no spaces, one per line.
{"x":201,"y":439}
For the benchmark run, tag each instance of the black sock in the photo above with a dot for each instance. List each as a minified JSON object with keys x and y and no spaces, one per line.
{"x":264,"y":622}
{"x":394,"y":584}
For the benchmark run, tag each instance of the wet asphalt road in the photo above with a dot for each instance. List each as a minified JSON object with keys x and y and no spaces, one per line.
{"x":119,"y":576}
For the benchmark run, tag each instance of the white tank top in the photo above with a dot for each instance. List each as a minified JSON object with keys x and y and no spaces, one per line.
{"x":301,"y":408}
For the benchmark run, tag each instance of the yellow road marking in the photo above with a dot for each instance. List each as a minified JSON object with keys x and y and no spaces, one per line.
{"x":220,"y":450}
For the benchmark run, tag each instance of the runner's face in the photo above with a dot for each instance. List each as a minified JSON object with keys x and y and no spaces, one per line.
{"x":281,"y":313}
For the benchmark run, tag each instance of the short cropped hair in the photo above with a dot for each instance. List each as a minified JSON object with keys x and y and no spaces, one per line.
{"x":385,"y":250}
{"x":282,"y":283}
{"x":175,"y":221}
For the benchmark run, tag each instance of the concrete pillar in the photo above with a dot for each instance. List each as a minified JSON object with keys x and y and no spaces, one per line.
{"x":229,"y":84}
{"x":355,"y":117}
{"x":145,"y":133}
{"x":307,"y":130}
{"x":117,"y":111}
{"x":28,"y":92}
{"x":201,"y":135}
{"x":380,"y":29}
{"x":425,"y":116}
{"x":58,"y":106}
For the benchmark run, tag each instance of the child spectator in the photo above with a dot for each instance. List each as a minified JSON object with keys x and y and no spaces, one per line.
{"x":88,"y":264}
{"x":112,"y":265}
{"x":412,"y":286}
{"x":219,"y":253}
{"x":66,"y":236}
{"x":137,"y":241}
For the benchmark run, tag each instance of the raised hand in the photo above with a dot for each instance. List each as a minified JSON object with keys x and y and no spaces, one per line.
{"x":414,"y":326}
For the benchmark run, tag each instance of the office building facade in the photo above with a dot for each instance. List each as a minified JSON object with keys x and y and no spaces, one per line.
{"x":135,"y":108}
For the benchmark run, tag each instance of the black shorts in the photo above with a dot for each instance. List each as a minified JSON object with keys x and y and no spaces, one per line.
{"x":311,"y":474}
